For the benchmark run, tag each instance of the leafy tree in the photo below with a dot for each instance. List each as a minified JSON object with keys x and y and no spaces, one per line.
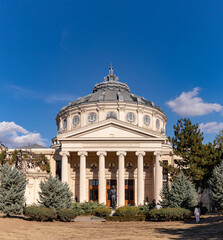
{"x":197,"y":160}
{"x":55,"y":194}
{"x":182,"y":193}
{"x":26,"y":159}
{"x":216,"y":187}
{"x":12,"y":190}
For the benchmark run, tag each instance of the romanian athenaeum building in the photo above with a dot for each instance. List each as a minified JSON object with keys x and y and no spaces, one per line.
{"x":110,"y":137}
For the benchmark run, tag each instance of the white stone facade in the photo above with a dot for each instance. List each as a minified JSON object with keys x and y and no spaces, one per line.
{"x":109,"y":137}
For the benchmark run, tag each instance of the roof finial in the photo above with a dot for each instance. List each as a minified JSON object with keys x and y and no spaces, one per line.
{"x":111,"y":68}
{"x":111,"y":76}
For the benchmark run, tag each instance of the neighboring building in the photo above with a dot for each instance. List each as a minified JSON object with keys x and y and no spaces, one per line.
{"x":109,"y":137}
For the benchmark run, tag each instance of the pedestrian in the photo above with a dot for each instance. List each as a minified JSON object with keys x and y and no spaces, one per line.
{"x":197,"y":213}
{"x":158,"y":206}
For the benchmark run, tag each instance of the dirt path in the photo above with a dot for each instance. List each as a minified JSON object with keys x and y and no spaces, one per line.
{"x":211,"y":227}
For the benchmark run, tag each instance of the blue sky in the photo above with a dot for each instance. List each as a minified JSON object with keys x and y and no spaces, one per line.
{"x":52,"y":52}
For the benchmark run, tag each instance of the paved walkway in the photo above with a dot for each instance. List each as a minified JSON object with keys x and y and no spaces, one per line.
{"x":89,"y":219}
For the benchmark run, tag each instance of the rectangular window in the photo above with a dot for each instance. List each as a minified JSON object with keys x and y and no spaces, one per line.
{"x":126,"y":194}
{"x":58,"y":169}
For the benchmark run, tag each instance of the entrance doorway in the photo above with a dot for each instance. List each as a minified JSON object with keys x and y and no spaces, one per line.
{"x":109,"y":184}
{"x":93,"y":190}
{"x":129,"y":192}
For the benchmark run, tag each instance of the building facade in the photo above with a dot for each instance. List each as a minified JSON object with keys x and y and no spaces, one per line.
{"x":111,"y":137}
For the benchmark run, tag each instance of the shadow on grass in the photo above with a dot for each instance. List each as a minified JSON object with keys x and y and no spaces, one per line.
{"x":208,"y":228}
{"x":14,"y":216}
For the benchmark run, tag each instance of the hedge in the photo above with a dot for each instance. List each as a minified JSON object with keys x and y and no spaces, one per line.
{"x":66,"y":215}
{"x":86,"y":208}
{"x":126,"y":218}
{"x":169,"y":214}
{"x":127,"y":211}
{"x":40,"y":213}
{"x":102,"y":212}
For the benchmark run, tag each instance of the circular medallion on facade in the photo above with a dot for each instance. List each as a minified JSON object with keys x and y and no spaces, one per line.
{"x":157,"y":123}
{"x":130,"y":117}
{"x":76,"y":120}
{"x":111,"y":115}
{"x":146,"y":120}
{"x":92,"y":117}
{"x":64,"y":123}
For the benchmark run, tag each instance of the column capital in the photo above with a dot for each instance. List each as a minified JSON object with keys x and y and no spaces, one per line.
{"x":102,"y":153}
{"x":62,"y":153}
{"x":121,"y":153}
{"x":138,"y":153}
{"x":82,"y":153}
{"x":157,"y":153}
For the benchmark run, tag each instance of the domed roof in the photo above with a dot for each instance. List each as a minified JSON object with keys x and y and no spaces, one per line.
{"x":111,"y":90}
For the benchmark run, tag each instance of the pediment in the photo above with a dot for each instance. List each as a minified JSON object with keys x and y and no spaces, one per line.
{"x":111,"y":129}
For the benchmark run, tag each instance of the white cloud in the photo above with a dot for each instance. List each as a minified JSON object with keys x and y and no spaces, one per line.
{"x":211,"y":127}
{"x":15,"y":136}
{"x":188,"y":104}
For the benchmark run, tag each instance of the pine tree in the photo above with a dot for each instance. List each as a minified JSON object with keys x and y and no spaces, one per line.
{"x":198,"y":160}
{"x":55,"y":194}
{"x":12,"y":190}
{"x":165,"y":195}
{"x":182,"y":193}
{"x":216,"y":187}
{"x":219,"y":137}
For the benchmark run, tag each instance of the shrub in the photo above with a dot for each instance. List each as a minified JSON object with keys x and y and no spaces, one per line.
{"x":126,"y":218}
{"x":102,"y":212}
{"x":55,"y":194}
{"x":12,"y":190}
{"x":66,"y":215}
{"x":86,"y":208}
{"x":204,"y":210}
{"x":127,"y":211}
{"x":40,"y":213}
{"x":169,"y":214}
{"x":144,"y":209}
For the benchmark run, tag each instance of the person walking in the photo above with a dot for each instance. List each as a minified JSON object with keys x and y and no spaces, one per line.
{"x":197,"y":213}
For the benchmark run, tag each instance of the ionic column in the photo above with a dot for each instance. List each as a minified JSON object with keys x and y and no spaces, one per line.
{"x":64,"y":166}
{"x":121,"y":178}
{"x":83,"y":155}
{"x":140,"y":180}
{"x":102,"y":185}
{"x":158,"y":177}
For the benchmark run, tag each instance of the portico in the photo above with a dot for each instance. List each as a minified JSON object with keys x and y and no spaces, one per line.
{"x":101,"y":167}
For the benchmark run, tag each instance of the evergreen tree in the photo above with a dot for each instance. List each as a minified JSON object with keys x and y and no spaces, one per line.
{"x":55,"y":194}
{"x":182,"y":193}
{"x":198,"y":160}
{"x":12,"y":190}
{"x":165,"y":195}
{"x":216,"y":187}
{"x":219,"y":137}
